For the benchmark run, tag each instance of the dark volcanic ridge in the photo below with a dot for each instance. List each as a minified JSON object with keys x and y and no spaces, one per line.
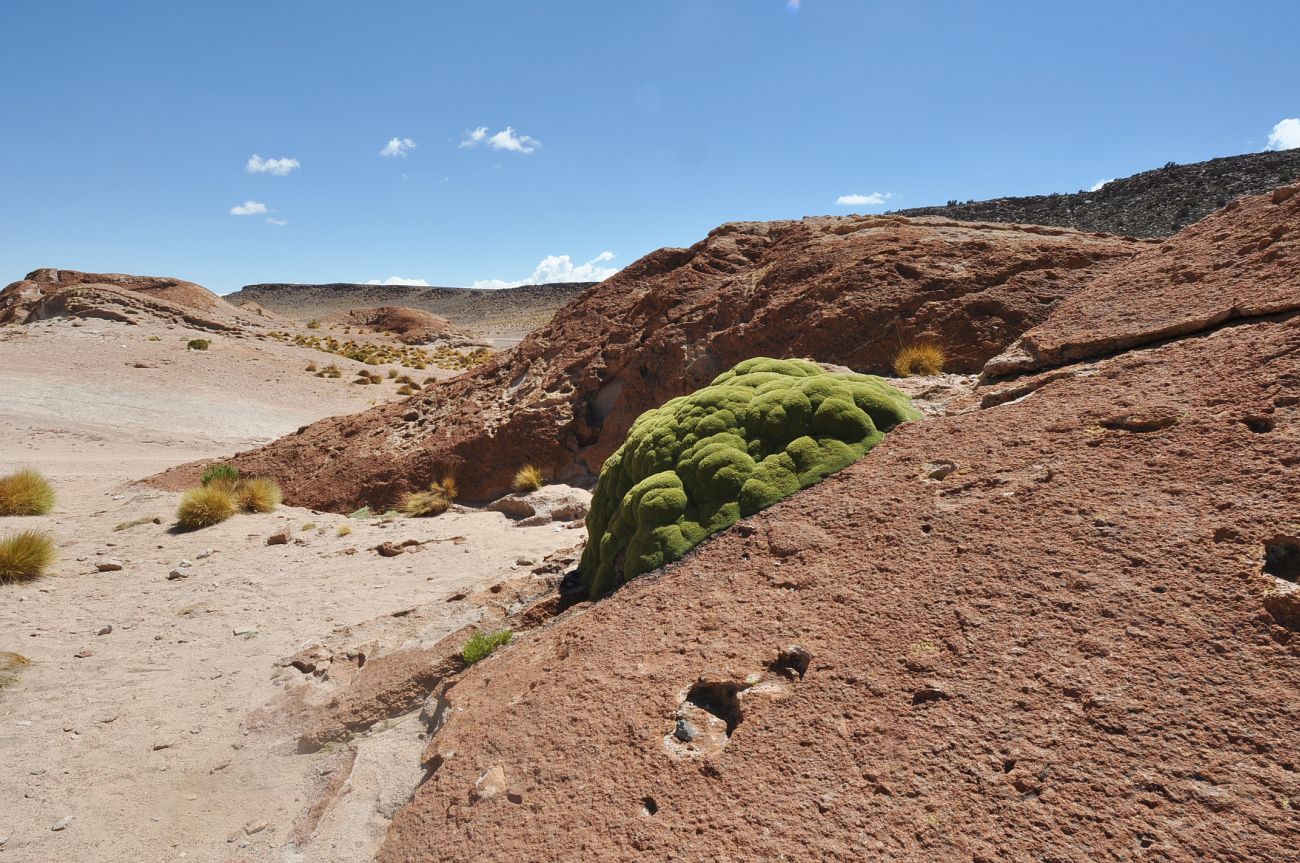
{"x":1155,"y":203}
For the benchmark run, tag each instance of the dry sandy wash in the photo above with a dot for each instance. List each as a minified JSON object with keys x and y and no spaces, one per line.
{"x":151,"y":722}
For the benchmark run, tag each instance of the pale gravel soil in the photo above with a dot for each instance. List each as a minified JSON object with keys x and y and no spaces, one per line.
{"x":164,"y":739}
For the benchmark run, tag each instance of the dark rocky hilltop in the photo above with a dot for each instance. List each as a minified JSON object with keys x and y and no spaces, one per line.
{"x":1156,"y":203}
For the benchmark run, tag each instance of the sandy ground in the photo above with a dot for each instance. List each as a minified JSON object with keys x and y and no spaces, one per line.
{"x":141,"y":730}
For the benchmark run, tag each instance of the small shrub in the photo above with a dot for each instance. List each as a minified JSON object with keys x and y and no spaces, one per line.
{"x":362,"y":513}
{"x":343,"y":530}
{"x":258,"y":495}
{"x":226,"y":472}
{"x":197,"y":345}
{"x":481,"y":645}
{"x":25,"y":492}
{"x":405,"y":390}
{"x":25,"y":556}
{"x":392,"y":373}
{"x":311,"y":367}
{"x":924,"y":358}
{"x":332,"y":371}
{"x":528,"y":478}
{"x":449,"y":487}
{"x":311,"y":525}
{"x":204,"y":506}
{"x":313,"y":325}
{"x":420,"y":504}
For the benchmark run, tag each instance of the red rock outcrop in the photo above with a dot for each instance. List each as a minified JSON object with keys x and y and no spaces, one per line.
{"x":1042,"y":630}
{"x":48,"y":293}
{"x":409,"y":326}
{"x":846,"y":290}
{"x":1241,"y":262}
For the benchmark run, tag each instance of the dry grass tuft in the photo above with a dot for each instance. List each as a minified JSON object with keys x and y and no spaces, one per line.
{"x":204,"y":506}
{"x":924,"y":358}
{"x":258,"y":494}
{"x":25,"y":555}
{"x":420,"y":504}
{"x":528,"y":478}
{"x":11,"y":662}
{"x":343,"y":530}
{"x":449,"y":487}
{"x":25,"y":492}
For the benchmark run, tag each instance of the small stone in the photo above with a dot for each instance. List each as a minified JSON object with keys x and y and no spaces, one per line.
{"x":255,"y":827}
{"x":525,"y":561}
{"x":207,"y":552}
{"x":281,"y":538}
{"x":387,"y":549}
{"x":63,"y":823}
{"x":490,"y":784}
{"x":216,"y":768}
{"x":161,"y":744}
{"x":105,"y":630}
{"x":83,"y":653}
{"x":109,"y":564}
{"x":245,"y":630}
{"x":178,"y":572}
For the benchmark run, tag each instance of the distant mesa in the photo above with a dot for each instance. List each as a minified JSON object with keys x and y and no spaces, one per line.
{"x":504,"y":312}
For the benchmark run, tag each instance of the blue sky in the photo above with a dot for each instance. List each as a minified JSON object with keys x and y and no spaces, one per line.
{"x":128,"y":127}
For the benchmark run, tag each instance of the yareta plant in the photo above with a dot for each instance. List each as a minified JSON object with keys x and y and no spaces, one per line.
{"x":699,"y":463}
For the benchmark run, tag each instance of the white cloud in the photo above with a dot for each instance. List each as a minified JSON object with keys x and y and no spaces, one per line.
{"x":273,"y":221}
{"x":1285,"y":135}
{"x":506,"y":139}
{"x":474,"y":138}
{"x":249,"y":208}
{"x":559,"y":268}
{"x":872,"y":200}
{"x":278,"y":167}
{"x":398,"y":280}
{"x":1096,"y":187}
{"x":397,"y":147}
{"x":792,"y":6}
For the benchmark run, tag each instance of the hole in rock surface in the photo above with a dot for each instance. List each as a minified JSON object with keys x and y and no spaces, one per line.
{"x":1282,"y":559}
{"x":719,"y":699}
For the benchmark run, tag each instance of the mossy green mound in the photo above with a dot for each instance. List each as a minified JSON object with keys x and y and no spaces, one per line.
{"x":699,"y":463}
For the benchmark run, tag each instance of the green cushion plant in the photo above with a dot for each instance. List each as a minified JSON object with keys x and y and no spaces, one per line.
{"x":701,"y":462}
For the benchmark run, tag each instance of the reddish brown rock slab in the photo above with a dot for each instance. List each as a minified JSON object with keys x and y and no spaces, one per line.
{"x":48,"y":293}
{"x":1055,"y":648}
{"x":842,"y":290}
{"x":1241,"y":262}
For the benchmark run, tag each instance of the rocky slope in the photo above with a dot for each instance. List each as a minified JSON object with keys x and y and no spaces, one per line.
{"x":1151,"y":204}
{"x":1062,"y":627}
{"x":846,"y":290}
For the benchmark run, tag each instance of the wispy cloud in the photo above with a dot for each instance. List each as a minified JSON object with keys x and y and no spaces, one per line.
{"x":270,"y":220}
{"x":398,"y":280}
{"x":1096,"y":187}
{"x":278,"y":167}
{"x":1285,"y":135}
{"x":506,"y":139}
{"x":792,"y":6}
{"x":872,"y":200}
{"x":249,"y":208}
{"x":397,"y":147}
{"x":559,"y":268}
